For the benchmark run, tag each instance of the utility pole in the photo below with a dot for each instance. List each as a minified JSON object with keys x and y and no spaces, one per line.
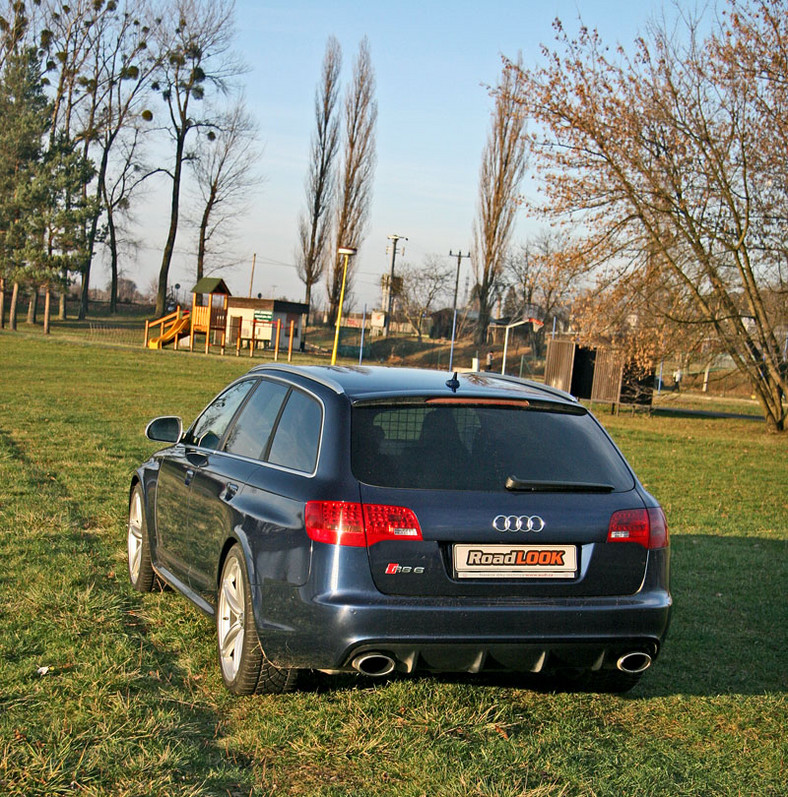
{"x":251,"y":279}
{"x":459,"y":257}
{"x":394,"y":239}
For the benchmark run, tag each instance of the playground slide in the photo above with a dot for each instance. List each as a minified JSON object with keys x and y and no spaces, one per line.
{"x":177,"y":328}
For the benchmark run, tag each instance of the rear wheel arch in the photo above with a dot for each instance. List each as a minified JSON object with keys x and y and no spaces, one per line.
{"x":244,"y":666}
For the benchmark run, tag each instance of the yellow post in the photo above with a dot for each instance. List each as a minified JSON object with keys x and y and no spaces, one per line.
{"x":347,"y":251}
{"x":290,"y":344}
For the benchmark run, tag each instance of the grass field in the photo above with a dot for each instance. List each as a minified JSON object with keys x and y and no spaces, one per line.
{"x":107,"y":692}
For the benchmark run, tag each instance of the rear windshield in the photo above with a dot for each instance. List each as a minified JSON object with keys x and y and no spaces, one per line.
{"x":460,"y":447}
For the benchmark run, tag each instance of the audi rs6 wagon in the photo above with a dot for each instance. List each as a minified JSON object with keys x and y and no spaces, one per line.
{"x":396,"y":520}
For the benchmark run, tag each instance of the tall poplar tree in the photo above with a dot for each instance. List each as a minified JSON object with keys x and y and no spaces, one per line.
{"x":314,"y":225}
{"x":357,"y":171}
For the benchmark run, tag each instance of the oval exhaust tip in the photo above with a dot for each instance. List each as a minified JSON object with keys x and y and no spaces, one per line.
{"x":634,"y":662}
{"x":375,"y":665}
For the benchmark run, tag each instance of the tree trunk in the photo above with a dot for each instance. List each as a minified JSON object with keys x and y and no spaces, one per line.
{"x":62,"y":306}
{"x":32,"y":307}
{"x":169,"y":246}
{"x":47,"y":307}
{"x":84,"y":305}
{"x":113,"y":262}
{"x":2,"y":303}
{"x":12,"y":309}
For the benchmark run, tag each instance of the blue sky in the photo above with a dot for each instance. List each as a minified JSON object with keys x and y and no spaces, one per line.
{"x":433,"y":61}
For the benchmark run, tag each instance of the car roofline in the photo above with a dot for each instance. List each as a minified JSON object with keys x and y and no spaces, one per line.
{"x":318,"y":375}
{"x":295,"y":370}
{"x":552,"y":391}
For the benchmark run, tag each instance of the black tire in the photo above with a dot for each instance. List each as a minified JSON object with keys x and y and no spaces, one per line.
{"x":244,"y":667}
{"x":141,"y":572}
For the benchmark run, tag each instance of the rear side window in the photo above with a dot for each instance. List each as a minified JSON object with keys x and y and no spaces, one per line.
{"x":251,"y":433}
{"x":297,"y":437}
{"x":477,"y":448}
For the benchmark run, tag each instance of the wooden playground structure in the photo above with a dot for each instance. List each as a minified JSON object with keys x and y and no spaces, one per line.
{"x":225,"y":320}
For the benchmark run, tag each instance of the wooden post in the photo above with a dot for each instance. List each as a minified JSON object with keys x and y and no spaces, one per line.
{"x":47,"y":307}
{"x":290,"y":344}
{"x":278,"y":332}
{"x":177,"y":322}
{"x":251,"y":342}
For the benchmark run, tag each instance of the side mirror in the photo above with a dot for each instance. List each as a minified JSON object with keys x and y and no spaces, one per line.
{"x":168,"y":429}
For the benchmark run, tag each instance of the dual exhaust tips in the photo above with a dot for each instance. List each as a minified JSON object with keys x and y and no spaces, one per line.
{"x":378,"y":665}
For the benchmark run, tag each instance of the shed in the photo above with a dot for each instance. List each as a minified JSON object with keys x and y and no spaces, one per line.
{"x":597,"y":373}
{"x":209,"y":317}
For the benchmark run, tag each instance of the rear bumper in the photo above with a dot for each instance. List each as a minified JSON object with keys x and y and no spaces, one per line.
{"x":462,"y":636}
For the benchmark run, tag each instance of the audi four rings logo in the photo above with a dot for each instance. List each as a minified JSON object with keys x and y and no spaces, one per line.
{"x":518,"y":523}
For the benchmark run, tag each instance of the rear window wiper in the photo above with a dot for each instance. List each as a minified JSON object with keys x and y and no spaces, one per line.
{"x":532,"y":486}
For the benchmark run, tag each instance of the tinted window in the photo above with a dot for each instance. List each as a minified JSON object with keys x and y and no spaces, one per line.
{"x":209,"y":428}
{"x":478,"y":448}
{"x":251,"y":432}
{"x":297,"y":437}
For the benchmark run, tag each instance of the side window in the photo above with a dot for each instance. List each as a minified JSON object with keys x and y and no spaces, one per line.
{"x":297,"y":437}
{"x":209,"y":428}
{"x":251,"y":432}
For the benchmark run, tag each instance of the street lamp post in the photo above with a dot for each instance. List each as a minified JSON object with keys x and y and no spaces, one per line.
{"x":536,"y":323}
{"x":348,"y":252}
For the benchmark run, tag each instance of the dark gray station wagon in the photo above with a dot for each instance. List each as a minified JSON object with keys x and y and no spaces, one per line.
{"x":382,"y":520}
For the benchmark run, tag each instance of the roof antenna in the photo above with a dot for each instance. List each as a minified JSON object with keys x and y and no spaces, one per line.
{"x":453,"y":383}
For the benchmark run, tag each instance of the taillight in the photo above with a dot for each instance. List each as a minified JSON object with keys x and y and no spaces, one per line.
{"x":335,"y":522}
{"x":346,"y":523}
{"x":647,"y":527}
{"x":390,"y":523}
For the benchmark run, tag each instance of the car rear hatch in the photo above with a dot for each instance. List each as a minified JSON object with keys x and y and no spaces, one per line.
{"x":511,"y":499}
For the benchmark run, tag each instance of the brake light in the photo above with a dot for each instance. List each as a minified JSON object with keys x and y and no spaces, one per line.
{"x":347,"y":523}
{"x":390,"y":523}
{"x":647,"y":527}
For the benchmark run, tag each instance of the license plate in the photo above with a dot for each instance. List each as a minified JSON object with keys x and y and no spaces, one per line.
{"x":515,"y":561}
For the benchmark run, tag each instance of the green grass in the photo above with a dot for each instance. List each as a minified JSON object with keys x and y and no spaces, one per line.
{"x":132,"y":702}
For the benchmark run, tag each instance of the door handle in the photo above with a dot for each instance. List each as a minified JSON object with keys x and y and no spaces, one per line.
{"x":230,"y":492}
{"x":189,"y":476}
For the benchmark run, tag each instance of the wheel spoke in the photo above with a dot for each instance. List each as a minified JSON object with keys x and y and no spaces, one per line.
{"x":233,"y":641}
{"x":233,"y":597}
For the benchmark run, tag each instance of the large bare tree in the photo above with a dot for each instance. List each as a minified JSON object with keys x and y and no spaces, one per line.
{"x":314,"y":224}
{"x":358,"y":167}
{"x":502,"y":169}
{"x":226,"y":168}
{"x":117,"y":78}
{"x":668,"y":159}
{"x":195,"y":45}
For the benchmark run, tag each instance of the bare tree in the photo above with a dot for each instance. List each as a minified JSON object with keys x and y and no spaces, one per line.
{"x":358,"y":167}
{"x":226,"y":170}
{"x":195,"y":46}
{"x":314,"y":224}
{"x":423,"y":288}
{"x":546,"y":274}
{"x":117,"y":80}
{"x":503,"y":165}
{"x":121,"y":182}
{"x":662,"y":158}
